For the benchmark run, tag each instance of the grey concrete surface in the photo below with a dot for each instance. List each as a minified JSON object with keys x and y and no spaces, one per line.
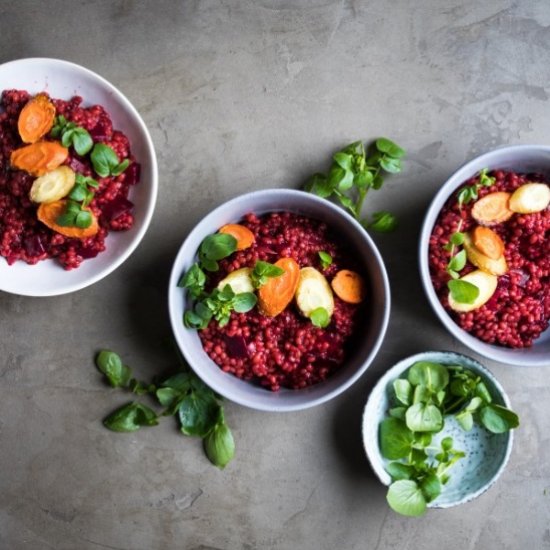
{"x":242,"y":95}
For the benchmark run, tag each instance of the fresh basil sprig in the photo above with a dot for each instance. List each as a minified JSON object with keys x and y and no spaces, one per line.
{"x":106,"y":162}
{"x":183,"y":395}
{"x":71,"y":134}
{"x":263,"y":271}
{"x":424,"y":397}
{"x":194,"y":280}
{"x":470,"y":193}
{"x":353,"y":173}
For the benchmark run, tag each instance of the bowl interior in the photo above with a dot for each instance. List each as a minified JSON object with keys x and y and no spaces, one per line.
{"x":247,"y":393}
{"x":520,"y":158}
{"x":63,"y":80}
{"x":486,"y":453}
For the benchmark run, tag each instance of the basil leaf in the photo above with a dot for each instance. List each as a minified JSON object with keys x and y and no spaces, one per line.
{"x":395,"y":438}
{"x":219,"y":445}
{"x":218,"y":246}
{"x":82,"y":141}
{"x":405,"y":497}
{"x":103,"y":159}
{"x":198,"y":413}
{"x":463,"y":291}
{"x":244,"y":302}
{"x":130,"y":418}
{"x":78,"y":192}
{"x":83,"y":219}
{"x":320,"y":317}
{"x":110,"y":364}
{"x":119,"y":168}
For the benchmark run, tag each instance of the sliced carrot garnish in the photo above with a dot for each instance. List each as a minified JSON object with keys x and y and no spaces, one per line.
{"x":39,"y":158}
{"x":488,"y":242}
{"x":36,"y":118}
{"x":349,"y":286}
{"x":245,"y":237}
{"x":49,"y":212}
{"x":492,"y":208}
{"x":277,"y":293}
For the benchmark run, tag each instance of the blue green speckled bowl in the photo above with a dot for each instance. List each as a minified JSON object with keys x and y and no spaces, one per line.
{"x":486,"y":454}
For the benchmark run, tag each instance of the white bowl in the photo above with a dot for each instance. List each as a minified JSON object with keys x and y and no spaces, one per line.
{"x":63,"y":80}
{"x":248,"y":393}
{"x":517,"y":158}
{"x":486,"y":454}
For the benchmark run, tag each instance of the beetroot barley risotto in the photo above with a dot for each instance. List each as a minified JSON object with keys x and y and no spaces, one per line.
{"x":65,"y":176}
{"x":297,"y":299}
{"x":492,"y":234}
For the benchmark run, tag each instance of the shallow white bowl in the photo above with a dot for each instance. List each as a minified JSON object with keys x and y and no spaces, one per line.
{"x":63,"y":80}
{"x":486,"y":454}
{"x":517,"y":158}
{"x":250,"y":394}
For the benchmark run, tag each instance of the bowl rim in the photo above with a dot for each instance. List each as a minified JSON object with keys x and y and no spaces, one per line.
{"x":504,"y":355}
{"x":277,"y":405}
{"x":149,"y":207}
{"x":397,"y":370}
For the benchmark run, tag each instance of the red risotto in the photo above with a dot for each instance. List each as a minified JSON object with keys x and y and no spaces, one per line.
{"x":287,"y":349}
{"x":519,"y":309}
{"x":22,"y":235}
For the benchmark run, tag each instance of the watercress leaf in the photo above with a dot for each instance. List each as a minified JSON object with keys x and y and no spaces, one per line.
{"x":398,"y":470}
{"x":421,"y":394}
{"x":119,"y":168}
{"x":346,"y":202}
{"x":325,"y":258}
{"x":474,"y":404}
{"x":198,"y":413}
{"x":439,"y":397}
{"x":460,"y":387}
{"x":384,"y":145}
{"x":346,"y":182}
{"x":319,"y":185}
{"x":458,"y":261}
{"x":218,"y":246}
{"x":447,"y":443}
{"x":203,"y":311}
{"x":422,"y":439}
{"x":103,"y":159}
{"x":498,"y":419}
{"x":78,"y":192}
{"x":430,"y":487}
{"x":453,"y":274}
{"x":398,"y":412}
{"x":463,"y":291}
{"x":383,"y":222}
{"x":395,"y":438}
{"x":432,"y":375}
{"x":209,"y":265}
{"x":466,"y":420}
{"x":244,"y":302}
{"x":219,"y":445}
{"x":406,"y":497}
{"x":82,"y":141}
{"x":263,"y":271}
{"x":192,"y":320}
{"x":377,"y":181}
{"x":131,"y":417}
{"x":110,"y":364}
{"x":335,"y":176}
{"x":485,"y":179}
{"x":67,"y":137}
{"x":343,"y":160}
{"x":83,"y":219}
{"x":391,"y":165}
{"x":424,"y":417}
{"x":403,"y":390}
{"x":457,"y":238}
{"x":418,"y":457}
{"x":319,"y":317}
{"x":180,"y":382}
{"x":194,"y":280}
{"x":463,"y":196}
{"x":482,"y":391}
{"x":364,"y":179}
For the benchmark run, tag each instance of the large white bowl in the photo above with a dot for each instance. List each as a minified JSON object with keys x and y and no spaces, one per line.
{"x":63,"y":80}
{"x":487,"y":454}
{"x":248,"y":393}
{"x":517,"y":158}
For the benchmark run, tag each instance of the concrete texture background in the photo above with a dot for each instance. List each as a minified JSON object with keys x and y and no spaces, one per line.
{"x":242,"y":95}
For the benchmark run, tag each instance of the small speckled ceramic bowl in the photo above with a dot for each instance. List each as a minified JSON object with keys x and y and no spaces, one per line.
{"x":486,"y":454}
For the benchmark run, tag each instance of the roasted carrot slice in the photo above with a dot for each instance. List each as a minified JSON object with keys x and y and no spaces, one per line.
{"x":36,"y":119}
{"x":348,"y":286}
{"x":48,"y":212}
{"x":39,"y":158}
{"x":277,"y":293}
{"x":492,"y":209}
{"x":488,"y":242}
{"x":245,"y":237}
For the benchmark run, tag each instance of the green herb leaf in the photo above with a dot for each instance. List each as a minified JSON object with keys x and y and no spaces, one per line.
{"x":383,"y":222}
{"x":325,"y":258}
{"x":119,"y":168}
{"x":82,"y":141}
{"x":387,"y":146}
{"x":110,"y":364}
{"x":424,"y":417}
{"x":83,"y":219}
{"x":432,"y":375}
{"x":218,"y":246}
{"x":263,"y":271}
{"x":395,"y":438}
{"x":458,"y":261}
{"x":403,"y":390}
{"x":131,"y":417}
{"x":244,"y":302}
{"x":319,"y":317}
{"x":198,"y":413}
{"x":430,"y":487}
{"x":406,"y":498}
{"x":463,"y":291}
{"x":398,"y":470}
{"x":219,"y":445}
{"x":498,"y":419}
{"x":194,"y":281}
{"x":104,"y":159}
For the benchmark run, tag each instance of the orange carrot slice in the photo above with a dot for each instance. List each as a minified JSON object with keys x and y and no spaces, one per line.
{"x":348,"y":286}
{"x":245,"y":237}
{"x":488,"y":242}
{"x":36,"y":119}
{"x":277,"y":293}
{"x":492,"y":209}
{"x":48,"y":212}
{"x":39,"y":158}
